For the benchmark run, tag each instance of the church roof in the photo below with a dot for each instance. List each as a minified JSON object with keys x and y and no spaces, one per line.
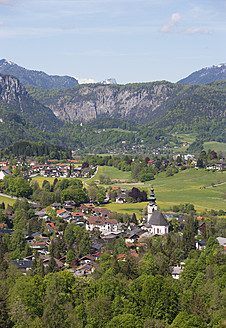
{"x":157,"y":219}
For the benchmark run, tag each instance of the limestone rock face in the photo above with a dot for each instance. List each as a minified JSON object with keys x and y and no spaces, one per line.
{"x":14,"y":98}
{"x":10,"y":89}
{"x":87,"y":103}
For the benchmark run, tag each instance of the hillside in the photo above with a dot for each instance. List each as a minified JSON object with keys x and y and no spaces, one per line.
{"x":36,"y":78}
{"x":166,"y":105}
{"x":206,"y":75}
{"x":22,"y":117}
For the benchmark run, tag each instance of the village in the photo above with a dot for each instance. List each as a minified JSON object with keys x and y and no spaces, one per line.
{"x":104,"y":227}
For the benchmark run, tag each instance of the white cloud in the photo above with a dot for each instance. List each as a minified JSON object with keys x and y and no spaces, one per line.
{"x":1,"y":23}
{"x":196,"y":30}
{"x":169,"y":27}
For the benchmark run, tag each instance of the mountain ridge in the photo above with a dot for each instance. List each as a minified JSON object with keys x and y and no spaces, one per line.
{"x":36,"y":78}
{"x":206,"y":75}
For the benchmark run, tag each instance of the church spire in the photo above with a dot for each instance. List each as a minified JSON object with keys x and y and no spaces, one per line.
{"x":152,"y":198}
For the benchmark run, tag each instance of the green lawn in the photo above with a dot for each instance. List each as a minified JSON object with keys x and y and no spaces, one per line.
{"x":7,"y":201}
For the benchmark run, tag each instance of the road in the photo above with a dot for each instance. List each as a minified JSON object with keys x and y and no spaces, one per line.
{"x":14,"y":197}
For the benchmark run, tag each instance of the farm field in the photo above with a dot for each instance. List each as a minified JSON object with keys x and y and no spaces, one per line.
{"x":188,"y":186}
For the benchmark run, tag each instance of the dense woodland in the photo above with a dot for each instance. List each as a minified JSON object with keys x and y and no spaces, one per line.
{"x":137,"y":292}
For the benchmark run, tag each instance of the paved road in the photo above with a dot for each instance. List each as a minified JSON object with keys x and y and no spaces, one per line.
{"x":14,"y":197}
{"x":91,"y":176}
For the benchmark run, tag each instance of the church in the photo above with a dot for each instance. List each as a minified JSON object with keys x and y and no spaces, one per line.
{"x":157,"y":224}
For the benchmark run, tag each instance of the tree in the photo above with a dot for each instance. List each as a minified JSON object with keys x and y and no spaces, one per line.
{"x":189,"y":232}
{"x":125,"y":320}
{"x":17,"y":244}
{"x":134,"y":219}
{"x":52,"y":266}
{"x":70,"y":256}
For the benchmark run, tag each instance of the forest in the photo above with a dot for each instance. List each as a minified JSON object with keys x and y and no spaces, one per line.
{"x":132,"y":293}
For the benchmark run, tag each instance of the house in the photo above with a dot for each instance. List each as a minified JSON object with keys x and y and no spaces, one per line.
{"x":22,"y":264}
{"x":38,"y":245}
{"x":102,"y":224}
{"x":96,"y":247}
{"x":101,"y":211}
{"x":200,"y":244}
{"x":56,"y":206}
{"x":87,"y":259}
{"x":50,"y":227}
{"x":4,"y":173}
{"x":120,"y":200}
{"x":84,"y":270}
{"x":175,"y":271}
{"x":222,"y":242}
{"x":58,"y":262}
{"x":133,"y":236}
{"x":78,"y":215}
{"x":86,"y":208}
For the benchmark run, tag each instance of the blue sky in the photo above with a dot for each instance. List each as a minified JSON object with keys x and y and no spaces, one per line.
{"x":130,"y":40}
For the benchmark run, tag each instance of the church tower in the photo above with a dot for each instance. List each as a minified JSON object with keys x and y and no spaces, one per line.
{"x":152,"y":206}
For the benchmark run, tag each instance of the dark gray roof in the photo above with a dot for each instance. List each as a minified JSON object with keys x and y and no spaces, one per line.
{"x":22,"y":264}
{"x":158,"y":219}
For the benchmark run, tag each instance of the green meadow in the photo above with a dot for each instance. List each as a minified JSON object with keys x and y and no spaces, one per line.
{"x":216,"y":146}
{"x":40,"y":179}
{"x":204,"y":189}
{"x":112,"y":172}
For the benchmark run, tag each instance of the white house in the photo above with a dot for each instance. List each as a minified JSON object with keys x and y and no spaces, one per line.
{"x":4,"y":173}
{"x":102,"y":224}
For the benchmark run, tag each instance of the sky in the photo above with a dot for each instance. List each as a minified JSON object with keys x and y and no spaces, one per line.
{"x":129,"y":40}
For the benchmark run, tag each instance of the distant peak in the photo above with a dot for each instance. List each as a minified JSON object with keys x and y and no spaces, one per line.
{"x":5,"y":61}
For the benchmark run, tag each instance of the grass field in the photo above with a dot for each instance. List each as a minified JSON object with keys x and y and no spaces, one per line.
{"x":216,"y":146}
{"x":188,"y":186}
{"x":40,"y":179}
{"x":7,"y":201}
{"x":112,"y":172}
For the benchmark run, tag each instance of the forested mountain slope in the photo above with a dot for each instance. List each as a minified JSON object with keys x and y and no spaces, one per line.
{"x":167,"y":105}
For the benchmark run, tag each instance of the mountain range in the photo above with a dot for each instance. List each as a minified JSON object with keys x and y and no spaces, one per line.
{"x":40,"y":114}
{"x":206,"y":75}
{"x":36,"y":78}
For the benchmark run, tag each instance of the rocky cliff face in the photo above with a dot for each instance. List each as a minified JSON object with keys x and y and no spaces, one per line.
{"x":11,"y":90}
{"x":14,"y":98}
{"x":133,"y":102}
